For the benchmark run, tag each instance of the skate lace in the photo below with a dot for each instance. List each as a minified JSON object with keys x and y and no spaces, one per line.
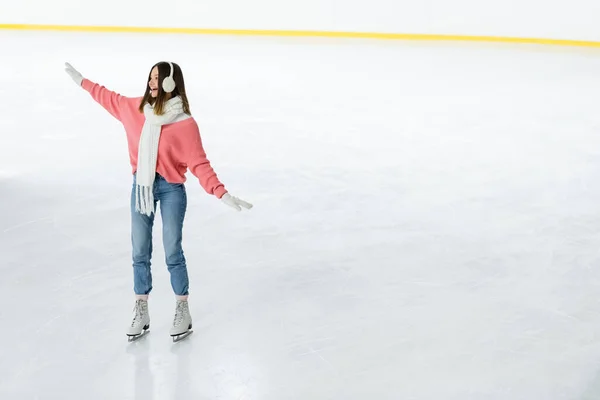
{"x":138,"y":309}
{"x":179,"y":312}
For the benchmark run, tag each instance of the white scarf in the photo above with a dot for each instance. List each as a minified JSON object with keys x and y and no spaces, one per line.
{"x":148,"y":152}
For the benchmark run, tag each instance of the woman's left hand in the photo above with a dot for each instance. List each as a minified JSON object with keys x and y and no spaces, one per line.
{"x":234,"y":202}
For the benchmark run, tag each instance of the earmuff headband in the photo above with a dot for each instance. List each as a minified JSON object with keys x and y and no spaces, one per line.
{"x":169,"y":83}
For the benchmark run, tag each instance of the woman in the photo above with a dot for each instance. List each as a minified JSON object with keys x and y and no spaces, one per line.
{"x":164,"y":141}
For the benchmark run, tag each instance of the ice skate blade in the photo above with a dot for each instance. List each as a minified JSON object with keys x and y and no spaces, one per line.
{"x":133,"y":338}
{"x":180,"y":337}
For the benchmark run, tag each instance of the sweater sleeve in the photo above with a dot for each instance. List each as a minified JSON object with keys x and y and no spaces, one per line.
{"x":111,"y":101}
{"x":200,"y":166}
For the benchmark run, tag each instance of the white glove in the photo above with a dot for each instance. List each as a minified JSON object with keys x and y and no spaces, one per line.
{"x":74,"y":74}
{"x":234,"y":202}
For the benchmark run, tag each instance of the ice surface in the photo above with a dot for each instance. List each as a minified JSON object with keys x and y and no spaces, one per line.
{"x":426,"y":222}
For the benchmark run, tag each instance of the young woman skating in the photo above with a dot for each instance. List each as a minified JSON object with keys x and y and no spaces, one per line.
{"x":164,"y":142}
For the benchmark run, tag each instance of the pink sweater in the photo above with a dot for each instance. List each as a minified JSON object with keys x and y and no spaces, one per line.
{"x":180,"y":146}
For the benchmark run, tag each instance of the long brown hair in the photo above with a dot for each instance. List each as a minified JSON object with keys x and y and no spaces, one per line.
{"x":164,"y":70}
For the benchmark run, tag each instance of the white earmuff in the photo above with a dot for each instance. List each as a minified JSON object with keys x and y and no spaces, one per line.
{"x":168,"y":84}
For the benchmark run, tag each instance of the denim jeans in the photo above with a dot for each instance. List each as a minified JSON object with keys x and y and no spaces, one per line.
{"x":173,"y":203}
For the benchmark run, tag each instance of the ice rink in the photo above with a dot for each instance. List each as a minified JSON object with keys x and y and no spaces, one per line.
{"x":426,"y":222}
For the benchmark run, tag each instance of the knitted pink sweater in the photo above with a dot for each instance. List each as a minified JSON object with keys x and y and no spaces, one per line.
{"x":180,"y":146}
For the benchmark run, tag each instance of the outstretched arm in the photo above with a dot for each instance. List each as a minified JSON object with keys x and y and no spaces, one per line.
{"x":111,"y":101}
{"x":200,"y":166}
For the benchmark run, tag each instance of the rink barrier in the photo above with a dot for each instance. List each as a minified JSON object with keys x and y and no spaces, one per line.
{"x":302,"y":33}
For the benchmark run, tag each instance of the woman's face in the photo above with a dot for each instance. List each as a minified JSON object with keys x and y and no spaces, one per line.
{"x":153,"y":82}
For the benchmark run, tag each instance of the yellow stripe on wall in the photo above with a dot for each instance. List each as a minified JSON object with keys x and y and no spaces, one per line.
{"x":259,"y":32}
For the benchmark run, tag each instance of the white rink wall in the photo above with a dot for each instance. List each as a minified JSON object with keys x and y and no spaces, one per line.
{"x":575,"y":19}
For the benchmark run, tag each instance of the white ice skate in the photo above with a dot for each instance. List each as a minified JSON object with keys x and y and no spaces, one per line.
{"x":141,"y":320}
{"x":182,"y":322}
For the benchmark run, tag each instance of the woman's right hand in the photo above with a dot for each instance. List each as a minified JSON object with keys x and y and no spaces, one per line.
{"x":73,"y":73}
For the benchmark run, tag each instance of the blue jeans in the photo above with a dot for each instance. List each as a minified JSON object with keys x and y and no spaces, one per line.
{"x":173,"y":203}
